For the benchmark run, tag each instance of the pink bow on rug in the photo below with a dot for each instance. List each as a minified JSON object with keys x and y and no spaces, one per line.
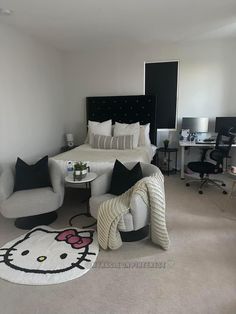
{"x":71,"y":237}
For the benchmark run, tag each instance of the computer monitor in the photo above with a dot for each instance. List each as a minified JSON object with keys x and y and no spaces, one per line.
{"x":225,"y":122}
{"x":195,"y":125}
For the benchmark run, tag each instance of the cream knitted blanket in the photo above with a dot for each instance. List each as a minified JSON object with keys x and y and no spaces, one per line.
{"x":110,"y":213}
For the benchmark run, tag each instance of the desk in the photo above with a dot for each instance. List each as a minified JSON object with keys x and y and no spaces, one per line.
{"x":184,"y":144}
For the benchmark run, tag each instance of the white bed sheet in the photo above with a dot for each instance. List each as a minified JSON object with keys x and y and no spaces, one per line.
{"x":101,"y":160}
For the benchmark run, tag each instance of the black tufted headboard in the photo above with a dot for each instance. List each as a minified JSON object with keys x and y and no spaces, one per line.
{"x":125,"y":109}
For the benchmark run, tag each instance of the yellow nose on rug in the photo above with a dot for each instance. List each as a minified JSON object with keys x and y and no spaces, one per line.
{"x":41,"y":258}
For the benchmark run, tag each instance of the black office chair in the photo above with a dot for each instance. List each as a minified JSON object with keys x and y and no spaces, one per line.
{"x":223,"y":145}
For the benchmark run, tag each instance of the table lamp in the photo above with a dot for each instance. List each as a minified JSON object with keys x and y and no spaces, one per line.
{"x":70,"y":139}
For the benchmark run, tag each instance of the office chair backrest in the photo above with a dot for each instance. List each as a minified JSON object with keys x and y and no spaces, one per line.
{"x":224,"y":140}
{"x":223,"y":145}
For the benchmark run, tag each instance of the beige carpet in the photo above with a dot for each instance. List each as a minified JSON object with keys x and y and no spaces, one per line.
{"x":196,"y":275}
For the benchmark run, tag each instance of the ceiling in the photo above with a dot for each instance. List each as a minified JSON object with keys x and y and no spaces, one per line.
{"x":81,"y":24}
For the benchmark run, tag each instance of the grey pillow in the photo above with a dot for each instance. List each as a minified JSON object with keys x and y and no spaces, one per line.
{"x":116,"y":142}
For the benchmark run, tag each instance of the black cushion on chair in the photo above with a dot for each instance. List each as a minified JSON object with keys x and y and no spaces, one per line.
{"x":202,"y":167}
{"x":29,"y":177}
{"x":123,"y":179}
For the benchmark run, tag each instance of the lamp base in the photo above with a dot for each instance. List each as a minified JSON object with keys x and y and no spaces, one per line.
{"x":70,"y":144}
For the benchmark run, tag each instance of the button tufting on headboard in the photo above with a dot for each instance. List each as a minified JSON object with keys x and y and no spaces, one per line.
{"x":124,"y":109}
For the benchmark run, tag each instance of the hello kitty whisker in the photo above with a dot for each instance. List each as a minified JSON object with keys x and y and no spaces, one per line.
{"x":87,"y":260}
{"x":77,"y":265}
{"x":90,"y":253}
{"x":2,"y":249}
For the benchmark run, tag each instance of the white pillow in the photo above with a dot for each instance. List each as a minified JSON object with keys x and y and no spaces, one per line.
{"x":128,"y":129}
{"x":144,"y":139}
{"x":100,"y":128}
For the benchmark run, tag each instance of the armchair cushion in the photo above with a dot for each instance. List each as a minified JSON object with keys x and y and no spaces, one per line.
{"x":29,"y":177}
{"x":123,"y":179}
{"x":125,"y":224}
{"x":137,"y":218}
{"x":30,"y":202}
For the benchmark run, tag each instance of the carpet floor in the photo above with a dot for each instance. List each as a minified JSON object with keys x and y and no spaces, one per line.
{"x":196,"y":275}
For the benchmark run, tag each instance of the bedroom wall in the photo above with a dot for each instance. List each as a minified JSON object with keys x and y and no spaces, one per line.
{"x":32,"y":112}
{"x":206,"y":77}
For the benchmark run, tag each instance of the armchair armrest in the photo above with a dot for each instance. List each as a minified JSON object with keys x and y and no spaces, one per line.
{"x":57,"y":179}
{"x":101,"y":184}
{"x":6,"y":183}
{"x":139,"y":211}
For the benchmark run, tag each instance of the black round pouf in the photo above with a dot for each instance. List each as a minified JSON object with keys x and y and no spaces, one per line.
{"x":30,"y":222}
{"x":137,"y":235}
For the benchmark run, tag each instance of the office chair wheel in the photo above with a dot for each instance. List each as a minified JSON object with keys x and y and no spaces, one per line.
{"x":225,"y":192}
{"x":200,"y":192}
{"x":223,"y":184}
{"x":187,"y":184}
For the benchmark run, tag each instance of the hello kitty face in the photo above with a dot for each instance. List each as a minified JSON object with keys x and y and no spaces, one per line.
{"x":43,"y":251}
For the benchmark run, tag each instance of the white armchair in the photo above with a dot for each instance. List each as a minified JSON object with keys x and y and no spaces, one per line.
{"x":134,"y":225}
{"x":31,"y":207}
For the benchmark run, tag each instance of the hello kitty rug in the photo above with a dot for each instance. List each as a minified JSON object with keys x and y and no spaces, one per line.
{"x":44,"y":256}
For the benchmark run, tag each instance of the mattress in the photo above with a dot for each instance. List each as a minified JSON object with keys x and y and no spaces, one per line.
{"x":101,"y":160}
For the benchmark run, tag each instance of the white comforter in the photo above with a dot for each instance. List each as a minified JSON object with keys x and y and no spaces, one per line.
{"x":101,"y":160}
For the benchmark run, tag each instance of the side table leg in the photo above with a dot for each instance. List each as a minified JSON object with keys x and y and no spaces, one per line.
{"x":168,"y":165}
{"x":87,"y":214}
{"x":176,"y":154}
{"x":182,"y":163}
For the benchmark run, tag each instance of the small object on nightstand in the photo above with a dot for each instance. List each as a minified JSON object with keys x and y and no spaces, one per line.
{"x":80,"y":170}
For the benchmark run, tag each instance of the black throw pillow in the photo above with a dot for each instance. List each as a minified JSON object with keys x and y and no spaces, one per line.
{"x":29,"y":177}
{"x":123,"y":179}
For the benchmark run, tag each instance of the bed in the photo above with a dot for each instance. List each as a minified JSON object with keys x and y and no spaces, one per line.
{"x":123,"y":109}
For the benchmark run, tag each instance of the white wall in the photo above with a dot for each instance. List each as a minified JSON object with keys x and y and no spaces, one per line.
{"x":34,"y":114}
{"x":206,"y":76}
{"x":32,"y":110}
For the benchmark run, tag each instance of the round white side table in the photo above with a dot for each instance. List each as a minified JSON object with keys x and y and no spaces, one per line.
{"x":76,"y":184}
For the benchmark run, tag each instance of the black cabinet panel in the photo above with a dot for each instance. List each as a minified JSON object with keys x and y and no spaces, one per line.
{"x":161,"y":80}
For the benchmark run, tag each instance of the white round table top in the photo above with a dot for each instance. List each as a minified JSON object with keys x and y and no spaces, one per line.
{"x":89,"y":178}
